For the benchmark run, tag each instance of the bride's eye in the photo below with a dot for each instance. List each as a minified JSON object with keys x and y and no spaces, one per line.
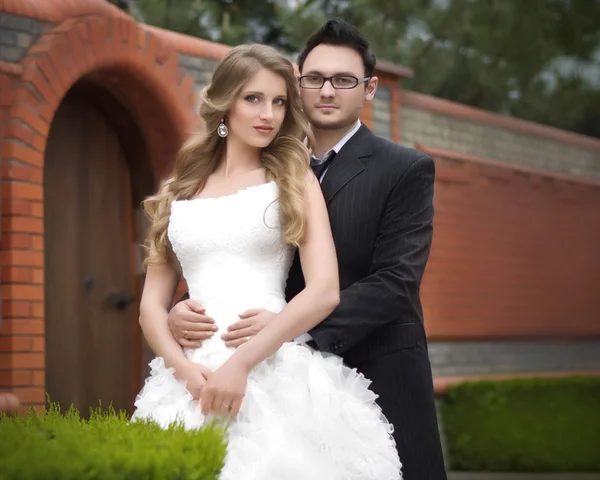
{"x":251,"y":98}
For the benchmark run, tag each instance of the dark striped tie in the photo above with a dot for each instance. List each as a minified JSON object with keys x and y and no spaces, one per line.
{"x":319,"y":166}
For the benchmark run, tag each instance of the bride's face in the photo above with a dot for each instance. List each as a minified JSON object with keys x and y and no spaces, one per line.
{"x":257,"y":114}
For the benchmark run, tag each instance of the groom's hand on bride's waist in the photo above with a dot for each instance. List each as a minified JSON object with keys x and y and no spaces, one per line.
{"x":251,"y":322}
{"x":189,"y":324}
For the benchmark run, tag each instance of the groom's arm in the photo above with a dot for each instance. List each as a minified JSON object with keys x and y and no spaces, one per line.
{"x":390,"y":293}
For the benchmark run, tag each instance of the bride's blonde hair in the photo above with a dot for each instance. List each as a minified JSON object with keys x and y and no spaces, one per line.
{"x":286,"y":160}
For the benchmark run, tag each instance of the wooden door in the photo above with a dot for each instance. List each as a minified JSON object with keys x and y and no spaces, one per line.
{"x":91,"y":309}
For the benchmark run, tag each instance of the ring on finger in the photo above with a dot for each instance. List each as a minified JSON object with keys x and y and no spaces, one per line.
{"x":186,"y":334}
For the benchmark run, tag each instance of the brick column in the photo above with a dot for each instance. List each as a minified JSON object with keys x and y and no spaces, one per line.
{"x":390,"y":80}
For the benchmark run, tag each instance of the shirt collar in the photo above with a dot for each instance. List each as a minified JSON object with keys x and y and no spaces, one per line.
{"x":338,"y":146}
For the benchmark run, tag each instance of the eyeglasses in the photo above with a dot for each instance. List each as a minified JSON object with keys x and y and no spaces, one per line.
{"x":339,"y":82}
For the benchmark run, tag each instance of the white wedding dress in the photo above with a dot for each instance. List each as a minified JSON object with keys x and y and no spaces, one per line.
{"x":305,"y":415}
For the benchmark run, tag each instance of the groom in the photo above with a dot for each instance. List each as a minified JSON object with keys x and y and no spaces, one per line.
{"x":379,"y":197}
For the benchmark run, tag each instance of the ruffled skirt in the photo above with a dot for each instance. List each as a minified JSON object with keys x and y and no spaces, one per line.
{"x":305,"y":416}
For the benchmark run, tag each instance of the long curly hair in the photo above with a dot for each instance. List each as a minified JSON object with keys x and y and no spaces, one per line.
{"x":286,"y":160}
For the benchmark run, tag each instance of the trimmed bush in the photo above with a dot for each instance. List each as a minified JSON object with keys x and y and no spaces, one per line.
{"x":107,"y":446}
{"x":524,"y":425}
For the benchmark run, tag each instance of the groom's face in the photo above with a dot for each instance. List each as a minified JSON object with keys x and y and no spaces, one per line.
{"x":330,"y":108}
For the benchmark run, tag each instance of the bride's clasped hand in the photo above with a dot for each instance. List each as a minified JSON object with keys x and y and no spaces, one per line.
{"x":224,"y":390}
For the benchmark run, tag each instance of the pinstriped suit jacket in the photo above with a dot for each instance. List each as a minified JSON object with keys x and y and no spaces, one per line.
{"x":380,"y":200}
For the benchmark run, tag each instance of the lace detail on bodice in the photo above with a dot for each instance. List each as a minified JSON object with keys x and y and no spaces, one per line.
{"x":230,"y":251}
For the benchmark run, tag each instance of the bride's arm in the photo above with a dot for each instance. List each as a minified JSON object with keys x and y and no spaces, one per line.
{"x":159,"y":289}
{"x":157,"y":297}
{"x":320,"y":295}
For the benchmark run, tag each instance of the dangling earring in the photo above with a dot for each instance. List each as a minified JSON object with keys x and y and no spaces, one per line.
{"x":222,"y":130}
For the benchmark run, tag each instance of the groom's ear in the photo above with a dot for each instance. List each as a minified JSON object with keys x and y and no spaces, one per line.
{"x":371,"y":88}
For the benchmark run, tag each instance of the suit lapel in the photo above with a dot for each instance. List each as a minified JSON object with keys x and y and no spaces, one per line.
{"x":347,"y":163}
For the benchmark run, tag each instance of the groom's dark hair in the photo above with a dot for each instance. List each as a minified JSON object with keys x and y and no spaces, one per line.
{"x":339,"y":33}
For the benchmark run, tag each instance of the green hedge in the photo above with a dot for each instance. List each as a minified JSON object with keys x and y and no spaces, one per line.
{"x":106,"y":446}
{"x":524,"y":425}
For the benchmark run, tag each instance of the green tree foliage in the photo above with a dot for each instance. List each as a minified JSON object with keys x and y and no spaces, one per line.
{"x":535,"y":59}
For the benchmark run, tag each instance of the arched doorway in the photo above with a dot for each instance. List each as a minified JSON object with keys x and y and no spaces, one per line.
{"x":95,"y":176}
{"x":93,"y":46}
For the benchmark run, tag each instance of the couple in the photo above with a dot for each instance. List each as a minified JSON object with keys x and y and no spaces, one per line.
{"x":292,"y":270}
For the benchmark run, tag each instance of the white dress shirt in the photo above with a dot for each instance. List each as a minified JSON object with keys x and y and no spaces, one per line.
{"x":337,"y":147}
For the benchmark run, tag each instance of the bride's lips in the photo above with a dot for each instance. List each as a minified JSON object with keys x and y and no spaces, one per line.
{"x":263,"y":129}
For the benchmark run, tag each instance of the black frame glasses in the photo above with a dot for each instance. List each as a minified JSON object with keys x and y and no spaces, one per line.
{"x":339,"y":82}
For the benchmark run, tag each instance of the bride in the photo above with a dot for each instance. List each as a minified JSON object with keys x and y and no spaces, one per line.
{"x":241,"y":199}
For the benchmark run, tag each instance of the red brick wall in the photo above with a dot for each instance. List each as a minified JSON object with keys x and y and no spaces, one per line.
{"x":21,"y":341}
{"x":515,"y":253}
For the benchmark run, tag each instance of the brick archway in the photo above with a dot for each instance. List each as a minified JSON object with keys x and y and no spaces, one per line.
{"x":94,"y":42}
